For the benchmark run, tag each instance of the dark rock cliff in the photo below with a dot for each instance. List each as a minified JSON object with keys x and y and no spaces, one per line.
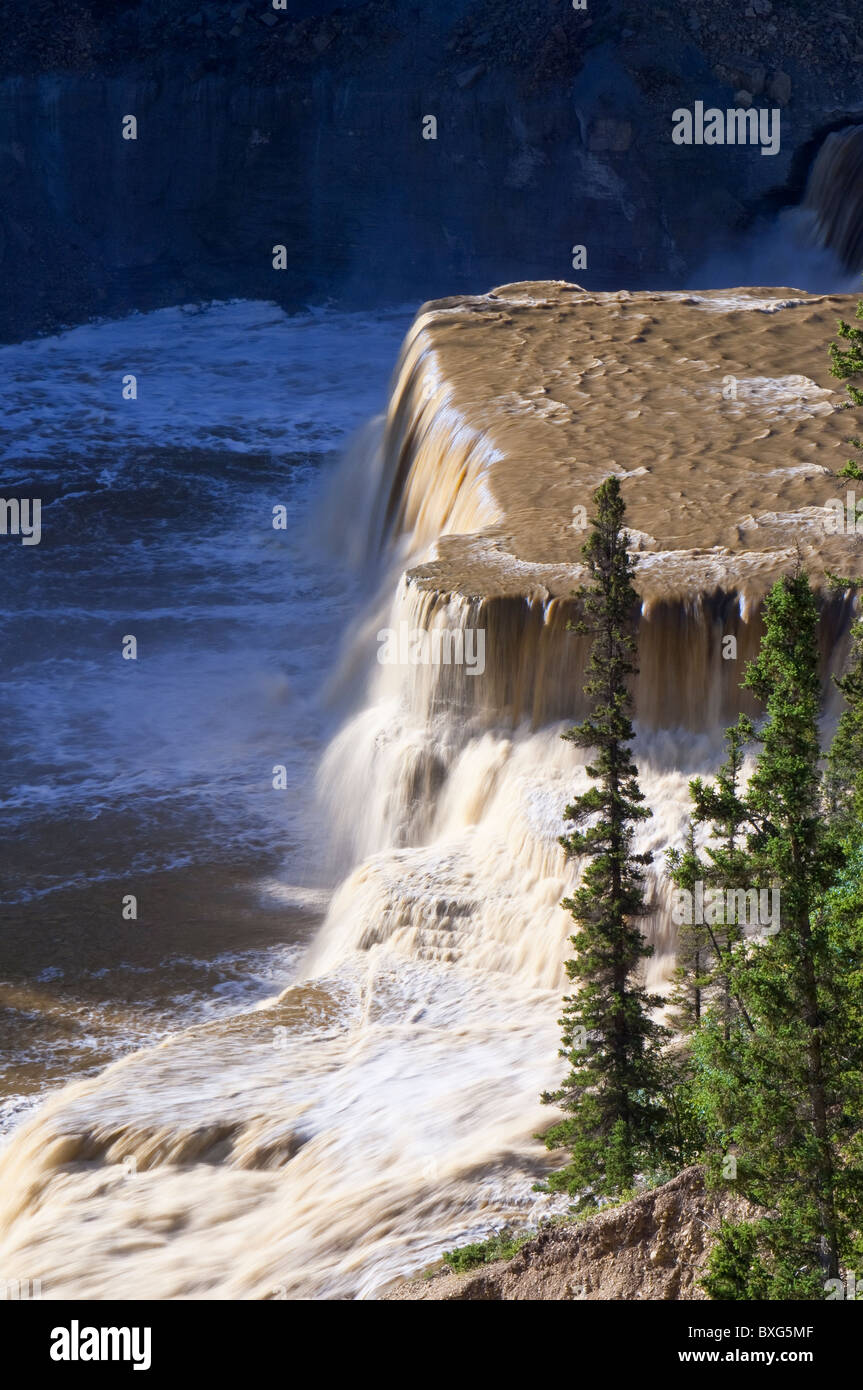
{"x":303,"y":127}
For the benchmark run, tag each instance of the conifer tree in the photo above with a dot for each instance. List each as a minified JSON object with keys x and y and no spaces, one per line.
{"x":843,"y":782}
{"x":720,"y":804}
{"x":847,"y":363}
{"x":844,"y":777}
{"x":776,"y":1091}
{"x":695,"y":957}
{"x":611,"y":1094}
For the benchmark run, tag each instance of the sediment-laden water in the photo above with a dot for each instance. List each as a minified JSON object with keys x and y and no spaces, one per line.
{"x":365,"y":1091}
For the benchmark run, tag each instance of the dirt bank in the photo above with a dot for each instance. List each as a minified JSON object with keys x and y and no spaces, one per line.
{"x":651,"y":1248}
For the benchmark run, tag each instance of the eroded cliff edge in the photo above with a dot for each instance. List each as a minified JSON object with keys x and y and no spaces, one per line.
{"x":651,"y":1248}
{"x":718,"y":412}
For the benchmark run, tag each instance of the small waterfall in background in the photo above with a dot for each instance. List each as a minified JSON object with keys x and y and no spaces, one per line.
{"x":834,"y":197}
{"x":816,"y":245}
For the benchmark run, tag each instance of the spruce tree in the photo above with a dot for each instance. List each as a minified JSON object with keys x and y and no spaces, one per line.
{"x":611,"y":1095}
{"x":843,"y":782}
{"x":847,"y":363}
{"x":720,"y":805}
{"x":775,"y":1088}
{"x":695,"y":957}
{"x":844,"y":778}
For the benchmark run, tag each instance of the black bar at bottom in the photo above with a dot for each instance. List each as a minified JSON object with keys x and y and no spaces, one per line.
{"x":171,"y":1337}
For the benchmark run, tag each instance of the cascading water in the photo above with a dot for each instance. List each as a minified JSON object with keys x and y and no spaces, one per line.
{"x":816,"y":244}
{"x":834,"y":196}
{"x":383,"y":1107}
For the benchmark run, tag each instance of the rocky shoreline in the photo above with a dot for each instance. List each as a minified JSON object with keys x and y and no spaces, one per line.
{"x":652,"y":1248}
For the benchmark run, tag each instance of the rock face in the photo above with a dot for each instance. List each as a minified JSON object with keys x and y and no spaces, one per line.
{"x":305,"y":127}
{"x":653,"y":1248}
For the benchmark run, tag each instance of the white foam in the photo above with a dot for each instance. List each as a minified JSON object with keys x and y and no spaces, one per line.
{"x":240,"y":376}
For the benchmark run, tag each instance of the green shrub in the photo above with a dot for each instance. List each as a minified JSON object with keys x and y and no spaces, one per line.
{"x":500,"y":1246}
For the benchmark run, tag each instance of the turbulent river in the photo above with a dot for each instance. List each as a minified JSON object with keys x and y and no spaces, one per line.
{"x":313,"y":1059}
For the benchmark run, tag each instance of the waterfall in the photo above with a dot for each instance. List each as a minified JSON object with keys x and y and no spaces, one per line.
{"x":834,"y":196}
{"x":384,"y":1107}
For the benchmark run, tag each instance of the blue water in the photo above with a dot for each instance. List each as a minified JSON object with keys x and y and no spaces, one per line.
{"x":123,"y":776}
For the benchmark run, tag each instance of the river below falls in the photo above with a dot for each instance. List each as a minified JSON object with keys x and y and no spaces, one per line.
{"x":153,"y":777}
{"x":313,"y":1060}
